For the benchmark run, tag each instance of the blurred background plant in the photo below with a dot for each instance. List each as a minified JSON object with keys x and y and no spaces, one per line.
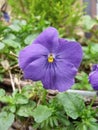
{"x":64,"y":15}
{"x":27,"y":19}
{"x":30,"y":17}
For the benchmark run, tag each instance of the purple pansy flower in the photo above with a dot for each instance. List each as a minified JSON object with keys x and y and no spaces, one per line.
{"x":93,"y":77}
{"x":6,"y":16}
{"x":52,"y":60}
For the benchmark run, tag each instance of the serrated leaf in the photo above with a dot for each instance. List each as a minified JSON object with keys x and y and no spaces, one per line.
{"x":6,"y":120}
{"x":10,"y":107}
{"x":6,"y":99}
{"x":41,"y":113}
{"x":26,"y":110}
{"x":20,"y":99}
{"x":27,"y":91}
{"x":73,"y":104}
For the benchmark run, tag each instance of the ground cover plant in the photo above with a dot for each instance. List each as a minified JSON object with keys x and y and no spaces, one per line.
{"x":44,"y":53}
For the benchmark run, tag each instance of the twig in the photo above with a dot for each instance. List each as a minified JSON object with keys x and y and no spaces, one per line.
{"x":11,"y":53}
{"x":7,"y":81}
{"x":11,"y":79}
{"x":13,"y":67}
{"x":17,"y":82}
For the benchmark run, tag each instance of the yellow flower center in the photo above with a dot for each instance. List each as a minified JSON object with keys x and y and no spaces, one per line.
{"x":50,"y":58}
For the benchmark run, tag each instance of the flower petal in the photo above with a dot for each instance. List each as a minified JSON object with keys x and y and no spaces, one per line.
{"x":36,"y":69}
{"x":49,"y":39}
{"x":49,"y":77}
{"x":31,"y":53}
{"x":65,"y":72}
{"x":71,"y":51}
{"x":95,"y":67}
{"x":60,"y":77}
{"x":93,"y":79}
{"x":63,"y":84}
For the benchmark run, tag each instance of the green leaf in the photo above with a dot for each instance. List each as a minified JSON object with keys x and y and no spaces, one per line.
{"x":41,"y":113}
{"x":88,"y":22}
{"x":94,"y":48}
{"x":16,"y":98}
{"x":20,"y":99}
{"x":93,"y":126}
{"x":2,"y":45}
{"x":6,"y":120}
{"x":11,"y":43}
{"x":15,"y":93}
{"x":29,"y":39}
{"x":51,"y":122}
{"x":10,"y":107}
{"x":55,"y":121}
{"x":73,"y":104}
{"x":22,"y":23}
{"x":2,"y":92}
{"x":84,"y":127}
{"x":27,"y":91}
{"x":26,"y":110}
{"x":6,"y":99}
{"x":15,"y":27}
{"x":10,"y":36}
{"x":81,"y":126}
